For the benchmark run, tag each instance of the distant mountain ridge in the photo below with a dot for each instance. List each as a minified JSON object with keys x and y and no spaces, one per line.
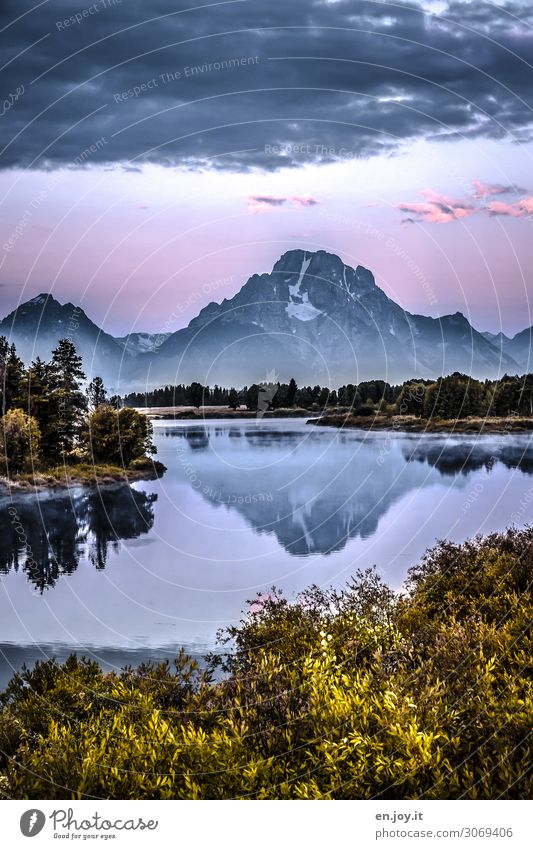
{"x":142,"y":343}
{"x":518,"y":347}
{"x":37,"y":325}
{"x":312,"y":317}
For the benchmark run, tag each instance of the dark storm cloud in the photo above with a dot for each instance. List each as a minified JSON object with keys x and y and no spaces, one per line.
{"x":247,"y":84}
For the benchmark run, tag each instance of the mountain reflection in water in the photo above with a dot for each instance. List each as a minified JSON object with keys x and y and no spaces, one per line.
{"x":315,"y":491}
{"x":244,"y":505}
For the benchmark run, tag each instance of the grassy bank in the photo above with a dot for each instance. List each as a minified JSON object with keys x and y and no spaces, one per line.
{"x":201,"y":413}
{"x":413,"y":424}
{"x":81,"y":474}
{"x":343,"y":418}
{"x":357,"y":693}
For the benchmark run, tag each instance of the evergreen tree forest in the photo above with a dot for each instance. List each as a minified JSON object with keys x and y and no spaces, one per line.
{"x":49,"y":416}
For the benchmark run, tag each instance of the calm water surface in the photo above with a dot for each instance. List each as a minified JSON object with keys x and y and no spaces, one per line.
{"x":130,"y":573}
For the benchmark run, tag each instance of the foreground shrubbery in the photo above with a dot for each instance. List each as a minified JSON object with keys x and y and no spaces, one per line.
{"x":351,"y":694}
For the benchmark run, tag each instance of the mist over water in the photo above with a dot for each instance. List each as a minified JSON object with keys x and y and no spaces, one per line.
{"x":128,"y":573}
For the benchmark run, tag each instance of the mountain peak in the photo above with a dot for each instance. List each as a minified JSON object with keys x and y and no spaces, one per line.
{"x":459,"y":318}
{"x":44,"y":302}
{"x":323,"y":265}
{"x":40,"y":300}
{"x":292,"y":260}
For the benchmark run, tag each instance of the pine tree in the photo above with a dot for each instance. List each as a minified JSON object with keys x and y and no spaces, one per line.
{"x":11,"y":375}
{"x":67,"y":397}
{"x":96,"y":393}
{"x":323,"y":398}
{"x":291,"y":392}
{"x":36,"y":399}
{"x":4,"y":350}
{"x":116,"y":402}
{"x":196,"y":394}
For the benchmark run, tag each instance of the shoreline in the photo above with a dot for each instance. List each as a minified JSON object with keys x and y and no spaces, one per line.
{"x":83,"y":475}
{"x":88,"y":475}
{"x":400,"y":423}
{"x":190,"y":414}
{"x":412,"y":424}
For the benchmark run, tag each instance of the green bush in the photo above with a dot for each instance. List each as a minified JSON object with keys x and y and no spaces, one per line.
{"x":118,"y":436}
{"x":358,"y":693}
{"x":20,"y":439}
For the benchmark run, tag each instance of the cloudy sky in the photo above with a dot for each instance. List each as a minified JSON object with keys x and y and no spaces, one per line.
{"x":154,"y":156}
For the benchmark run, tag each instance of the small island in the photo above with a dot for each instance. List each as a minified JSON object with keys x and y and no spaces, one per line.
{"x":54,"y":433}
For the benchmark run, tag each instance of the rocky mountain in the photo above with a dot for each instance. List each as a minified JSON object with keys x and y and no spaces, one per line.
{"x":321,"y":321}
{"x":312,"y":317}
{"x":497,"y":339}
{"x":518,"y":347}
{"x":37,"y":325}
{"x":142,"y":343}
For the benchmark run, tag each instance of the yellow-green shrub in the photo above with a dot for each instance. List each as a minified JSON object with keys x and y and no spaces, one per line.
{"x":339,"y":694}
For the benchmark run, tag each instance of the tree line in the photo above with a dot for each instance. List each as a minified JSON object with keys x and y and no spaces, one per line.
{"x":277,"y":395}
{"x":49,"y":415}
{"x":453,"y":396}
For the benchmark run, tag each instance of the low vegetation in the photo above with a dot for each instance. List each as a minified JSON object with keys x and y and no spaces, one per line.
{"x":84,"y":474}
{"x":359,"y":693}
{"x":415,"y":424}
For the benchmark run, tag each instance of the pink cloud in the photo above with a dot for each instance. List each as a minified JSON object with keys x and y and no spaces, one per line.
{"x":266,"y":203}
{"x":483,"y":190}
{"x":437,"y":208}
{"x":499,"y":207}
{"x":441,"y":209}
{"x":526,"y":205}
{"x":519,"y":209}
{"x":303,"y":200}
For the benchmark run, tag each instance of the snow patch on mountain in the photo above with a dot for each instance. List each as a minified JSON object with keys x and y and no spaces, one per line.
{"x":303,"y":311}
{"x":355,"y":296}
{"x":295,"y":290}
{"x":299,"y":305}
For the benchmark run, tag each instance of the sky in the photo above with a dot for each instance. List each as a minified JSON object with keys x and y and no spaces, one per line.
{"x":154,"y":156}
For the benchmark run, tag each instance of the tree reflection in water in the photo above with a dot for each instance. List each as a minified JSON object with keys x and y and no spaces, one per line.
{"x":466,"y":457}
{"x":46,"y":537}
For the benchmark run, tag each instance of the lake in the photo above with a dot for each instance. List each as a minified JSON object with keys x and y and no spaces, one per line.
{"x":128,"y":573}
